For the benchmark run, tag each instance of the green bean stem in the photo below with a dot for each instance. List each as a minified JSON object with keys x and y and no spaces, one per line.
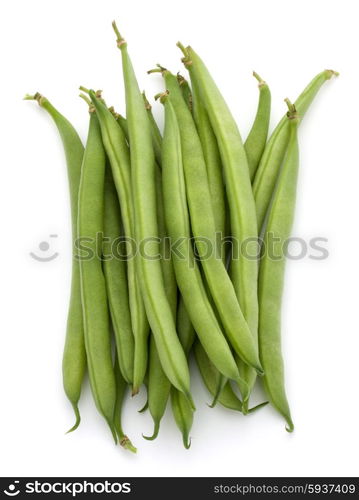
{"x":158,"y":309}
{"x":257,"y":137}
{"x":121,"y":388}
{"x":186,"y":91}
{"x":271,"y":274}
{"x":93,"y":287}
{"x":74,"y":356}
{"x":272,"y":158}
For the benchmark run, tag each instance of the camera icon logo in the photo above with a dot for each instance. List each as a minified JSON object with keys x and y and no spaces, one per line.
{"x":12,"y":489}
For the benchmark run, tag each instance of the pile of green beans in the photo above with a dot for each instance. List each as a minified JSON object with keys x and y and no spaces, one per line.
{"x":171,"y":247}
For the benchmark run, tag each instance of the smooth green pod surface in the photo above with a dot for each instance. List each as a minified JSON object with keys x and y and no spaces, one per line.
{"x":74,"y":356}
{"x":271,"y":275}
{"x":143,"y":167}
{"x":204,"y":230}
{"x":114,"y":267}
{"x":188,"y":276}
{"x":93,"y":287}
{"x":117,"y":150}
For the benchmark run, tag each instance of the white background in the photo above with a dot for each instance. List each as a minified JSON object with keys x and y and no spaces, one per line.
{"x":53,"y":47}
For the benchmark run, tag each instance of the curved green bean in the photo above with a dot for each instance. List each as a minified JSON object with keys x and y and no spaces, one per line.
{"x":93,"y":288}
{"x":114,"y":267}
{"x":272,"y":158}
{"x":119,"y":156}
{"x":74,"y":356}
{"x":158,"y":309}
{"x":271,"y":274}
{"x":244,"y":267}
{"x":257,"y":137}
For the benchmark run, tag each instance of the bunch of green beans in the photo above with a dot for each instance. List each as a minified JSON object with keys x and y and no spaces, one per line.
{"x":171,"y":247}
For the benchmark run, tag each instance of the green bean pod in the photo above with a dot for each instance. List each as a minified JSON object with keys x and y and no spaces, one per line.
{"x":114,"y":267}
{"x":204,"y":232}
{"x":188,"y":276}
{"x":213,"y":161}
{"x":93,"y":287}
{"x":159,"y":386}
{"x":183,"y":415}
{"x":121,"y":388}
{"x":272,"y":158}
{"x":117,"y":150}
{"x":257,"y":137}
{"x":181,"y":409}
{"x":271,"y":274}
{"x":74,"y":356}
{"x":143,"y":167}
{"x":186,"y":332}
{"x":244,"y":267}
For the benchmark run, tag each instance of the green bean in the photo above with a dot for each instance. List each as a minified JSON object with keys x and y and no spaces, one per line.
{"x":173,"y":359}
{"x":186,"y":91}
{"x":121,"y":388}
{"x":257,"y":137}
{"x":204,"y":231}
{"x":213,"y":162}
{"x":74,"y":356}
{"x":183,"y":414}
{"x":159,"y":386}
{"x":271,"y":274}
{"x":227,"y":398}
{"x":115,"y":272}
{"x":118,"y":154}
{"x":188,"y":276}
{"x":210,"y":376}
{"x":272,"y":158}
{"x":155,"y":131}
{"x":244,"y":267}
{"x":93,"y":287}
{"x":186,"y":332}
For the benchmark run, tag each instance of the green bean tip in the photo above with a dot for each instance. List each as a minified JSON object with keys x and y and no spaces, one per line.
{"x":120,"y":40}
{"x":78,"y":419}
{"x":156,"y":430}
{"x":187,"y":441}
